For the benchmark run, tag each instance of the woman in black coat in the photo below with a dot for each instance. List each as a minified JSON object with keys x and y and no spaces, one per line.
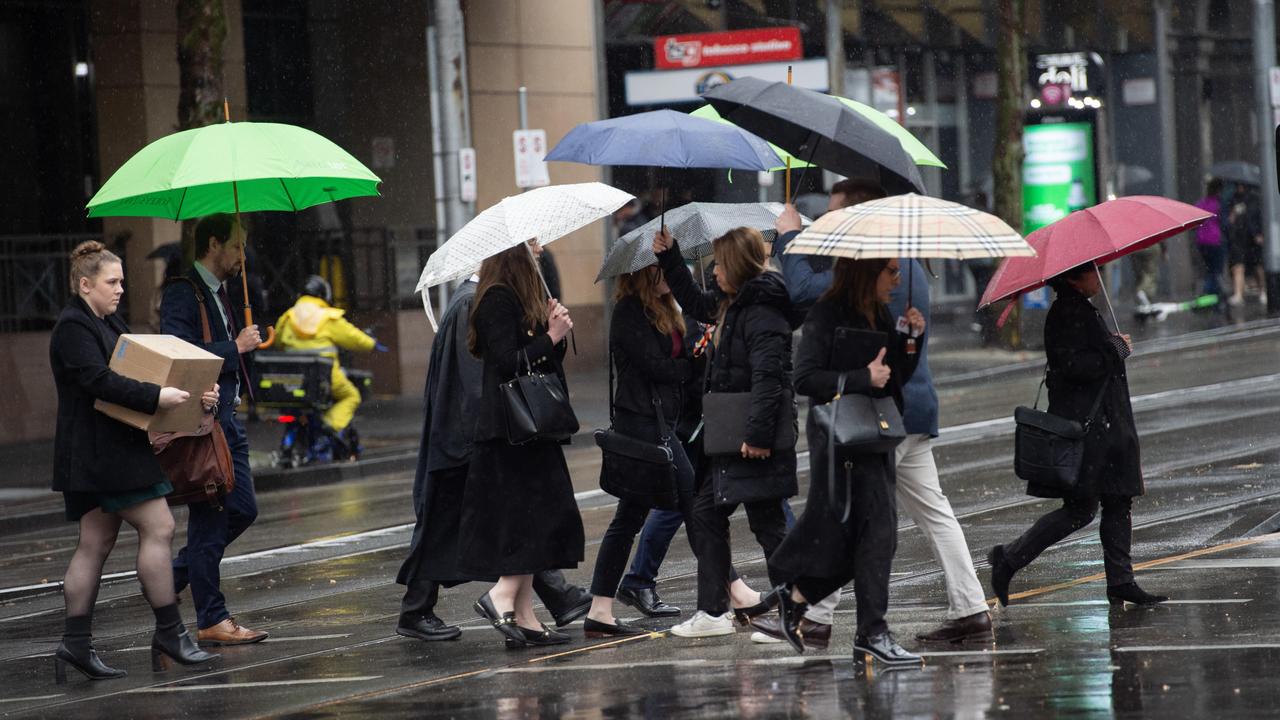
{"x":106,"y":470}
{"x":752,"y":341}
{"x":849,"y":529}
{"x":519,"y":516}
{"x":1086,"y":367}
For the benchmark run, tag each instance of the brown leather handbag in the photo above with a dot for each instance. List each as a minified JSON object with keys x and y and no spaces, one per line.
{"x":198,"y":464}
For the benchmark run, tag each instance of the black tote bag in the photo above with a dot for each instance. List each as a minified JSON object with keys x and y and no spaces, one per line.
{"x":537,"y":407}
{"x":724,"y":418}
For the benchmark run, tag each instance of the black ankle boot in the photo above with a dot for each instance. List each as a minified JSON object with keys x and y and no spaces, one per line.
{"x":77,"y":651}
{"x":1001,"y":574}
{"x":790,"y":613}
{"x":1131,"y":593}
{"x":172,"y":641}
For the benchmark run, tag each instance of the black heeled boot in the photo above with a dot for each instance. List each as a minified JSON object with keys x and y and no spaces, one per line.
{"x":77,"y":651}
{"x":172,"y":641}
{"x":790,"y":613}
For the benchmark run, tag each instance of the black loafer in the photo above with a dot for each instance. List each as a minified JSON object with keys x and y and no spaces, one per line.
{"x":884,"y":648}
{"x":504,"y":623}
{"x":545,"y":636}
{"x":428,"y":628}
{"x":646,"y":600}
{"x":596,"y":629}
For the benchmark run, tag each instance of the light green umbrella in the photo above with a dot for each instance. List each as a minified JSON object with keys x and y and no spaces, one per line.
{"x":920,"y":154}
{"x":233,"y":168}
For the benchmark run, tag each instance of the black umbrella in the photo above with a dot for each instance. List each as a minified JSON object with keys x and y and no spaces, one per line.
{"x":818,"y":128}
{"x":1237,"y":171}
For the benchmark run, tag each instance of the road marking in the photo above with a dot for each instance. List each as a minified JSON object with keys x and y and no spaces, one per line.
{"x":30,"y":698}
{"x":1197,"y":648}
{"x":242,"y":685}
{"x":1266,"y":562}
{"x":1078,"y":603}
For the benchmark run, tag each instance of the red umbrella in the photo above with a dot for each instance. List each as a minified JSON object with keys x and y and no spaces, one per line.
{"x":1100,"y":234}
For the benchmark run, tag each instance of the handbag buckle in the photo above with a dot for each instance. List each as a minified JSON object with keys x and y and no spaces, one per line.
{"x":884,"y":424}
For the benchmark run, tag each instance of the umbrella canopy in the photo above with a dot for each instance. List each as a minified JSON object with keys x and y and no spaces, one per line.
{"x":707,"y":112}
{"x":1237,"y":171}
{"x":819,"y":129}
{"x":230,"y":167}
{"x":1101,"y":233}
{"x":695,"y":225}
{"x":546,"y":213}
{"x":664,"y":138}
{"x":912,"y":226}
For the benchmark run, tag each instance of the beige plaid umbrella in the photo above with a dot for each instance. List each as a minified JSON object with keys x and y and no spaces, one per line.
{"x":910,"y":226}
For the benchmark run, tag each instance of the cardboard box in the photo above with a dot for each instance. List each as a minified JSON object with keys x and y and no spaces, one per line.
{"x":168,"y":362}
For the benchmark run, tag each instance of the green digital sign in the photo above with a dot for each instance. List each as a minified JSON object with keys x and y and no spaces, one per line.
{"x":1057,"y":174}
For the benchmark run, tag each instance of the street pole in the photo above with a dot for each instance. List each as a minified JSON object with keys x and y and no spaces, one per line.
{"x":451,"y":46}
{"x":437,"y":148}
{"x":1164,"y":94}
{"x":1264,"y":56}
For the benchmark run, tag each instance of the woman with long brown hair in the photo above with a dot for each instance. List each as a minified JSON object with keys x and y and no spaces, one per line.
{"x":519,"y":516}
{"x":751,"y":310}
{"x":849,"y":529}
{"x":647,"y":346}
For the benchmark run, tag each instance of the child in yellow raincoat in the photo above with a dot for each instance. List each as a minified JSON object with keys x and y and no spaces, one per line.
{"x":311,"y":324}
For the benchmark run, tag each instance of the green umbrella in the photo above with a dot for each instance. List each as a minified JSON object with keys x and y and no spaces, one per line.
{"x":920,"y":154}
{"x":232,"y":167}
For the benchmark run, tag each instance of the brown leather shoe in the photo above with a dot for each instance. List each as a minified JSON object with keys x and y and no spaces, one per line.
{"x":228,"y":632}
{"x":974,"y":628}
{"x":815,"y":635}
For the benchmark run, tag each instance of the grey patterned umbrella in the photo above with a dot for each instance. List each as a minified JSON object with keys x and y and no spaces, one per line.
{"x":695,"y":225}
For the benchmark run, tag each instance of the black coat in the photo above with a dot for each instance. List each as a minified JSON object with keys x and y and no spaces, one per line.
{"x":819,"y":363}
{"x":753,"y":355}
{"x":1081,"y":358}
{"x":499,"y":319}
{"x":646,"y":370}
{"x":93,"y":452}
{"x":453,"y":389}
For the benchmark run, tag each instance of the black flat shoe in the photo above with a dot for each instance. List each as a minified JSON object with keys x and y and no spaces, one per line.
{"x":1131,"y":593}
{"x":884,"y":648}
{"x":177,"y":645}
{"x":647,"y":602}
{"x":545,"y":636}
{"x":596,"y":629}
{"x":85,"y":659}
{"x":428,"y":628}
{"x":1001,"y":574}
{"x":790,"y":615}
{"x":504,"y":623}
{"x":768,"y":601}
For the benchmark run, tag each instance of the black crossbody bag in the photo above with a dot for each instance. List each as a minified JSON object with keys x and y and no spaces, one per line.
{"x":1048,"y":449}
{"x":637,"y":470}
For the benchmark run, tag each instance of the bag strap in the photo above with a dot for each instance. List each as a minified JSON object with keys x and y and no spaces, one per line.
{"x":611,"y":385}
{"x":831,"y":454}
{"x":1097,"y":401}
{"x":206,"y":333}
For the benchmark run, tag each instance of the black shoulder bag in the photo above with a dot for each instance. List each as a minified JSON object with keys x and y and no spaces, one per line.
{"x":1048,"y":450}
{"x":636,"y":470}
{"x":724,"y":418}
{"x":537,"y":406}
{"x":854,"y":424}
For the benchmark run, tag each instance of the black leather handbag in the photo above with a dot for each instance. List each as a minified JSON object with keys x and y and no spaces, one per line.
{"x":1048,"y":450}
{"x":537,"y":407}
{"x":856,"y":424}
{"x":637,"y":470}
{"x":724,"y":420}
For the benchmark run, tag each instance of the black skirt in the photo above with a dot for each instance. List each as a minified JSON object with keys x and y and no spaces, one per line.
{"x":519,"y":515}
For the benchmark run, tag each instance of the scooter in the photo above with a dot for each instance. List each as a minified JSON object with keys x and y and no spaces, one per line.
{"x":294,"y":389}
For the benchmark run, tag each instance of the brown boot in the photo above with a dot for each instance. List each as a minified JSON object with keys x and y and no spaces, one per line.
{"x":228,"y":632}
{"x":815,"y":635}
{"x":974,"y":628}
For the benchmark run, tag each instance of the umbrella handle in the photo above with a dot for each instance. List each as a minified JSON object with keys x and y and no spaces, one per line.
{"x":271,"y":338}
{"x":1103,"y":284}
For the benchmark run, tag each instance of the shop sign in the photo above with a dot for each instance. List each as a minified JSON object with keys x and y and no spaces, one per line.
{"x":531,"y":150}
{"x":739,"y":47}
{"x":1057,"y":172}
{"x":660,"y":87}
{"x":467,"y":174}
{"x":1071,"y":69}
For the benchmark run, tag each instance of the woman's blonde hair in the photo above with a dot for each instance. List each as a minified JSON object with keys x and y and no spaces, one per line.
{"x":662,"y":311}
{"x":513,"y":268}
{"x":854,"y":282}
{"x":87,"y":260}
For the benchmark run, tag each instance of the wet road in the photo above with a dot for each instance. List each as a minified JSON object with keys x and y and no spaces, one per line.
{"x":317,"y":568}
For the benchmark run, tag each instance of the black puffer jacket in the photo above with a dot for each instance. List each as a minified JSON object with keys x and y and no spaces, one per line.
{"x":646,"y":370}
{"x":753,"y":355}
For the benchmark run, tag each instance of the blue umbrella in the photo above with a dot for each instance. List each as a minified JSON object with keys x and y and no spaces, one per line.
{"x":664,"y":138}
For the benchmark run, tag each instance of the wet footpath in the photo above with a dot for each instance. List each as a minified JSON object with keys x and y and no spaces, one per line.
{"x":317,"y":572}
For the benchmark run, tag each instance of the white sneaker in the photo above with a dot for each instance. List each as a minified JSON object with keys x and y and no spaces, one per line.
{"x":759,"y":637}
{"x":1262,"y":299}
{"x":704,"y":625}
{"x":1143,"y":300}
{"x":1235,"y":301}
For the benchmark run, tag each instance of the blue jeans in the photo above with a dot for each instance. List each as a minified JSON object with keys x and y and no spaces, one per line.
{"x":1213,"y":256}
{"x":210,"y":531}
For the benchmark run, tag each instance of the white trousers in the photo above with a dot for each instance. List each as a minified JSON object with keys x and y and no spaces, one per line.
{"x":919,"y":495}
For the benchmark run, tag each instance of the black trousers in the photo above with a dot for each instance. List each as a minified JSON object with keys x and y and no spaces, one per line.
{"x":710,"y":538}
{"x":1075,"y":513}
{"x":629,"y":518}
{"x":867,"y":540}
